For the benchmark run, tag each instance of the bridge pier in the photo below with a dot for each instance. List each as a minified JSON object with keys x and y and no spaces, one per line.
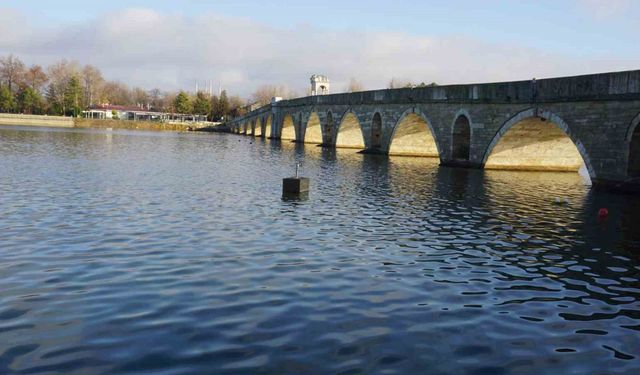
{"x":373,"y":151}
{"x":461,"y":164}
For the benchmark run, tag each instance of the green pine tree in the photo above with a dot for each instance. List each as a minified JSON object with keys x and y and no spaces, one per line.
{"x":202,"y":105}
{"x":30,"y":101}
{"x":73,"y":97}
{"x":55,"y":106}
{"x":7,"y":100}
{"x":182,"y":103}
{"x":223,"y":105}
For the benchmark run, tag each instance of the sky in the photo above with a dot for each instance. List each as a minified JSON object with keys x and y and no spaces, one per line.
{"x":243,"y":44}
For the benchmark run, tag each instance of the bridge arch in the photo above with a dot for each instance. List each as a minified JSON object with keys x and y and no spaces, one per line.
{"x":313,"y":130}
{"x":461,"y":136}
{"x":350,"y":133}
{"x":536,"y":139}
{"x":413,"y":135}
{"x":633,"y":141}
{"x":245,"y":128}
{"x":288,"y":132}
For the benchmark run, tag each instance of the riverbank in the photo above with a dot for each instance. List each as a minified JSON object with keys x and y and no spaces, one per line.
{"x":220,"y":128}
{"x":70,"y":122}
{"x":36,"y":120}
{"x":131,"y":125}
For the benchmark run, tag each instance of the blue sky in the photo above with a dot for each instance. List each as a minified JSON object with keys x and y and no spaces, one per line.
{"x":584,"y":34}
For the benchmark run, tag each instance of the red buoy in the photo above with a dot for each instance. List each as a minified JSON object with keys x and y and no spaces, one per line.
{"x":602,"y":213}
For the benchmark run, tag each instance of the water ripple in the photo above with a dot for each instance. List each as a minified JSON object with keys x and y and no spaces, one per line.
{"x":134,"y":252}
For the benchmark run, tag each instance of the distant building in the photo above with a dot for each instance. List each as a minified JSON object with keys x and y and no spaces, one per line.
{"x":319,"y":85}
{"x":108,"y":111}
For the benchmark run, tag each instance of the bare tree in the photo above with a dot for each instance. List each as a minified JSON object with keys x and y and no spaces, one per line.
{"x":155,"y":98}
{"x":236,"y":106}
{"x":12,"y":72}
{"x":168,"y":101}
{"x":68,"y":86}
{"x":354,"y":86}
{"x":264,"y":93}
{"x":36,"y":78}
{"x":60,"y":74}
{"x":140,"y":97}
{"x":117,"y":93}
{"x":92,"y":84}
{"x":397,"y":84}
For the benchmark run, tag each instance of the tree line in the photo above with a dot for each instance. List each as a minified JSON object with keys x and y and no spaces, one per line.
{"x":67,"y":88}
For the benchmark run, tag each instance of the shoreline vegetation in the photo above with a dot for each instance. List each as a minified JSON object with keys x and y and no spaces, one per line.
{"x":8,"y":119}
{"x":68,"y":88}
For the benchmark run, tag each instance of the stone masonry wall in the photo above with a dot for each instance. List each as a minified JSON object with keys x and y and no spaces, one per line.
{"x":596,"y":112}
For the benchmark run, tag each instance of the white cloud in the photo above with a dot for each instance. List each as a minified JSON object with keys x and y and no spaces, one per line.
{"x":605,"y":9}
{"x":150,"y":49}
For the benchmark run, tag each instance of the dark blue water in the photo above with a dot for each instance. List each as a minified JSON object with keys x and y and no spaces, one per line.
{"x":165,"y":253}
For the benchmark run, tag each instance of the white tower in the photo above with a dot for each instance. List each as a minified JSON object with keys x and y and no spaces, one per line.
{"x":319,"y":85}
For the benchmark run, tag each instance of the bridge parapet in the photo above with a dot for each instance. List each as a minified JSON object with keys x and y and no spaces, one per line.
{"x":604,"y":86}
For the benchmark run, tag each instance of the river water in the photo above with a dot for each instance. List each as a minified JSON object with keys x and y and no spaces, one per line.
{"x":135,"y":252}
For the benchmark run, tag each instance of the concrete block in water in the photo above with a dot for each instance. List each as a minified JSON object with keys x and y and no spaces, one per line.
{"x":295,"y":185}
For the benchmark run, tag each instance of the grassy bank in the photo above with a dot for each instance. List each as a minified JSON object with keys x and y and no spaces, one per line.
{"x":131,"y":125}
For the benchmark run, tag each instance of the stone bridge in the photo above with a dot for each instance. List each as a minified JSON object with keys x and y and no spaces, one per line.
{"x":558,"y":124}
